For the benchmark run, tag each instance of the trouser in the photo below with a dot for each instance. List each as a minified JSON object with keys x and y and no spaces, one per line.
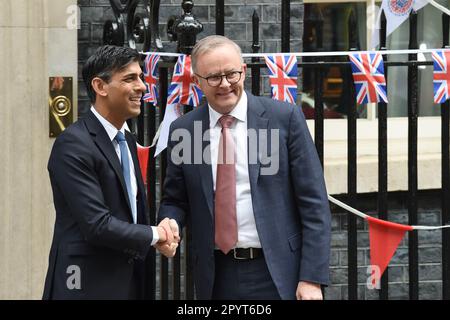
{"x":237,"y":279}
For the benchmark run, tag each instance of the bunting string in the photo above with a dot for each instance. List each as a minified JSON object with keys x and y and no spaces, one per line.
{"x":365,"y":216}
{"x":316,"y":54}
{"x":440,"y":7}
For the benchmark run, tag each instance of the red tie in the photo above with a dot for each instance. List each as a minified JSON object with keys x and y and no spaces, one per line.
{"x":225,"y":201}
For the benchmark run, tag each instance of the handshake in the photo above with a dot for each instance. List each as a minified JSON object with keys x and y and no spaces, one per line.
{"x":169,"y":237}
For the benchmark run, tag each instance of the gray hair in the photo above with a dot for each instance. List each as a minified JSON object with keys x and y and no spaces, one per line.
{"x":211,"y":42}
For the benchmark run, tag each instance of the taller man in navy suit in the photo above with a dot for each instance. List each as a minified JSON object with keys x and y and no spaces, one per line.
{"x":102,"y":239}
{"x":244,"y":172}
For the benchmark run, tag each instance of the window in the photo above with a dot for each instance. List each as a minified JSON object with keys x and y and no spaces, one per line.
{"x":335,"y":135}
{"x":335,"y":38}
{"x":331,"y":18}
{"x":429,"y":36}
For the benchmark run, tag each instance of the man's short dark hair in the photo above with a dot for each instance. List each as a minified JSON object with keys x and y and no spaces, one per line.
{"x":105,"y":61}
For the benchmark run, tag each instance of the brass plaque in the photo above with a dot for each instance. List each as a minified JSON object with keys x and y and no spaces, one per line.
{"x":60,"y":101}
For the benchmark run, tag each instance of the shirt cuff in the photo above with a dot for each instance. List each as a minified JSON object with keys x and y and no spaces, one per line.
{"x":155,"y":235}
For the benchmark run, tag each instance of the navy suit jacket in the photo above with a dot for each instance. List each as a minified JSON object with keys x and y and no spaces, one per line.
{"x":94,"y":230}
{"x":291,"y":208}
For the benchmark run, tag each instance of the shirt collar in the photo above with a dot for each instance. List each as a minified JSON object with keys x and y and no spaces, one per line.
{"x":110,"y":129}
{"x":239,"y":111}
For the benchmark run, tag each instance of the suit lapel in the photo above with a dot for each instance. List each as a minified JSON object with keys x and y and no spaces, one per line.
{"x":256,"y":122}
{"x":105,"y":145}
{"x":205,"y":170}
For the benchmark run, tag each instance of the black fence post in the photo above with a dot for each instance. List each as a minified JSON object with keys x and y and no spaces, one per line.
{"x":256,"y":71}
{"x":445,"y":118}
{"x":318,"y":91}
{"x":382,"y":201}
{"x":151,"y":179}
{"x":186,"y":28}
{"x":413,"y":102}
{"x":285,"y":25}
{"x":220,"y":17}
{"x":352,"y":170}
{"x":163,"y":89}
{"x":189,"y":270}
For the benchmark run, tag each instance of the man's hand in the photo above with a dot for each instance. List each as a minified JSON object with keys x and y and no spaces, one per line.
{"x":175,"y":231}
{"x":168,"y":237}
{"x":308,"y":291}
{"x":168,"y":250}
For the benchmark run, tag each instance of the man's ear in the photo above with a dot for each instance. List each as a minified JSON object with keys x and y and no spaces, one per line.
{"x":194,"y":79}
{"x":99,"y":86}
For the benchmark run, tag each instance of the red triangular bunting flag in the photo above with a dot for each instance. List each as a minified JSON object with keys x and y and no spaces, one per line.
{"x":384,"y":237}
{"x":143,"y":153}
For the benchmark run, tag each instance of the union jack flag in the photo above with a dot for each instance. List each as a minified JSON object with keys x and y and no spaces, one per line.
{"x":151,"y":78}
{"x":283,"y":76}
{"x":441,"y":75}
{"x":368,"y":76}
{"x":182,"y":90}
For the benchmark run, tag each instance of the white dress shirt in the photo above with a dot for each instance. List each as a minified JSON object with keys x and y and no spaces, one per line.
{"x":247,"y":233}
{"x":111,"y":130}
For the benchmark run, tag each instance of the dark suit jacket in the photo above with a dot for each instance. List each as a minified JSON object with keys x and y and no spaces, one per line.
{"x":291,"y":208}
{"x":94,"y":229}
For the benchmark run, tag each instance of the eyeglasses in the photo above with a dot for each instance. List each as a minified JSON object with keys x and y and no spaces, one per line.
{"x":215,"y":81}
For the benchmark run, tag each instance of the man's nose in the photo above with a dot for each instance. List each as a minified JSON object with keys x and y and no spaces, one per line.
{"x":142,"y":86}
{"x":225,"y":82}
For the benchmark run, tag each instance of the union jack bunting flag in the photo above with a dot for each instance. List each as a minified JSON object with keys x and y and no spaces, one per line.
{"x":182,"y":90}
{"x":368,"y":76}
{"x":151,"y":78}
{"x":441,"y":75}
{"x":283,"y":76}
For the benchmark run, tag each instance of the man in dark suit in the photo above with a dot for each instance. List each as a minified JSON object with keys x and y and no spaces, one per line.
{"x":102,"y":238}
{"x":246,"y":177}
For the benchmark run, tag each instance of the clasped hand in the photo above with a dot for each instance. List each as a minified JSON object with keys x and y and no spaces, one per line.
{"x":169,"y":237}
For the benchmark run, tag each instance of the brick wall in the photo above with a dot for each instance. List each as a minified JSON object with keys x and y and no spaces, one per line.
{"x":430,"y":253}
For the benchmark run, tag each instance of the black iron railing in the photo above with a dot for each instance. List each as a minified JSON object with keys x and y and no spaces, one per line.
{"x":140,"y":30}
